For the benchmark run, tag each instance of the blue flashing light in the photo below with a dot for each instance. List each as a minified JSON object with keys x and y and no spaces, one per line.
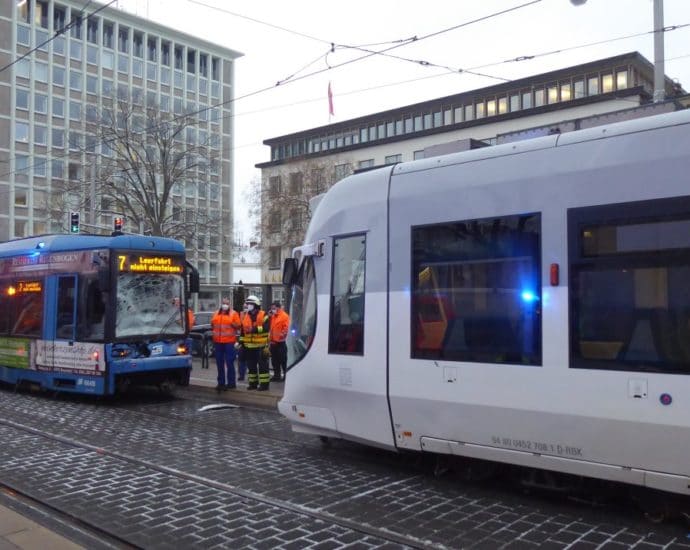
{"x":528,"y":296}
{"x":40,"y":245}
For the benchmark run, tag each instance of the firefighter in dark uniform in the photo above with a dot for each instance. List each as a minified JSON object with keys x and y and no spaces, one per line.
{"x":255,"y":331}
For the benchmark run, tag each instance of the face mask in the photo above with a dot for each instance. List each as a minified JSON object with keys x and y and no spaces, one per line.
{"x":273,"y":312}
{"x":250,"y":307}
{"x":225,"y":307}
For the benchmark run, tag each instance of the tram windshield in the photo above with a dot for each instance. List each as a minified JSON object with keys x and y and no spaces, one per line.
{"x":149,"y":305}
{"x":302,"y":313}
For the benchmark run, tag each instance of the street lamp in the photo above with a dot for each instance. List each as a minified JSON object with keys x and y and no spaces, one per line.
{"x":659,"y":70}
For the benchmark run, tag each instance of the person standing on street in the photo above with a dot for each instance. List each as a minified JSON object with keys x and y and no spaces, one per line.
{"x":241,"y":361}
{"x":225,"y":324}
{"x":280,"y":322}
{"x":255,"y":342}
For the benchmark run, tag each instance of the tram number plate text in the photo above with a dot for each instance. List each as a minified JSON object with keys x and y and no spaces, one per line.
{"x":536,"y":446}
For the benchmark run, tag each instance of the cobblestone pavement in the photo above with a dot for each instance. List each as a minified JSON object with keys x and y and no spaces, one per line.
{"x":160,"y":474}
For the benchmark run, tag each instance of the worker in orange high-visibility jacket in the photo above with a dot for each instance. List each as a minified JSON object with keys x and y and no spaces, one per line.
{"x":280,"y":322}
{"x":225,"y":324}
{"x":255,"y":342}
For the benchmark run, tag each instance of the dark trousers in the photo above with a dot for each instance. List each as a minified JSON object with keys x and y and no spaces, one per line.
{"x":241,"y":363}
{"x":225,"y":363}
{"x":257,"y":368}
{"x":279,"y":359}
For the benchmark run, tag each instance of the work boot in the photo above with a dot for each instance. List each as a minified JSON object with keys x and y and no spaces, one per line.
{"x":252,"y":386}
{"x":263,"y":387}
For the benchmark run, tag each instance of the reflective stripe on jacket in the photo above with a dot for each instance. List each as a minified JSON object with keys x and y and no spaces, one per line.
{"x":253,"y":334}
{"x":279,"y":326}
{"x":225,"y":327}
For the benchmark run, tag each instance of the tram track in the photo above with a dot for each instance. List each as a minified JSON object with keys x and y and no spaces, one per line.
{"x":382,"y":535}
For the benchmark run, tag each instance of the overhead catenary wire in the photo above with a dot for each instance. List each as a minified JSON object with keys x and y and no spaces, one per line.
{"x":404,"y":42}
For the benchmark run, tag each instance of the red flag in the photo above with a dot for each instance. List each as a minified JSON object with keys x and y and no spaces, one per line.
{"x":330,"y":100}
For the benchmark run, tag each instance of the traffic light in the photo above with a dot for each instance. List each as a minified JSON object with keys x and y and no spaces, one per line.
{"x":74,"y":222}
{"x":117,"y":225}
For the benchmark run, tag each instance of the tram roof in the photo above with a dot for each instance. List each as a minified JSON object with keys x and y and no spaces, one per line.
{"x":63,"y":243}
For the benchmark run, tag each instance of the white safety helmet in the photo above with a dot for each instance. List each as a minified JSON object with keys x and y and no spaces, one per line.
{"x":252,"y":300}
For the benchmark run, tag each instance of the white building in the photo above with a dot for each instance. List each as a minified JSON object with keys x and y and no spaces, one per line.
{"x":85,"y":52}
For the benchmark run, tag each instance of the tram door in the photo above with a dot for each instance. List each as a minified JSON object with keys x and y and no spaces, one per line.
{"x":64,"y":356}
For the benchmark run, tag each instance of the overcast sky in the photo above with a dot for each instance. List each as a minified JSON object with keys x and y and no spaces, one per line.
{"x":287,"y":41}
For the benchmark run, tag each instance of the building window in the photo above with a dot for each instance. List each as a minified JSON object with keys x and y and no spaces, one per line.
{"x":502,"y":105}
{"x":274,"y":187}
{"x":59,"y":14}
{"x":138,"y":45}
{"x":621,"y":80}
{"x":491,"y":107}
{"x":368,"y":163}
{"x":477,"y":298}
{"x":578,"y":89}
{"x":629,"y":271}
{"x":552,"y":94}
{"x":58,"y":135}
{"x":75,"y":27}
{"x":21,"y":131}
{"x":22,"y":99}
{"x":41,"y":71}
{"x":593,"y":85}
{"x":480,"y":110}
{"x":107,"y":35}
{"x":215,"y":68}
{"x":41,"y":18}
{"x":58,"y":107}
{"x":23,"y":35}
{"x":74,"y":171}
{"x":21,"y":196}
{"x":191,"y":61}
{"x":165,"y":53}
{"x":123,"y":40}
{"x":514,"y":103}
{"x":75,"y":81}
{"x":469,"y":112}
{"x":92,"y":31}
{"x":40,"y":103}
{"x":178,"y":58}
{"x":607,"y":83}
{"x":274,"y":257}
{"x":57,"y":169}
{"x":75,"y":110}
{"x":342,"y":170}
{"x":393,"y":159}
{"x":346,"y":330}
{"x":152,"y":49}
{"x":296,"y":183}
{"x":40,"y":135}
{"x":418,"y":154}
{"x":274,"y":222}
{"x":539,"y":97}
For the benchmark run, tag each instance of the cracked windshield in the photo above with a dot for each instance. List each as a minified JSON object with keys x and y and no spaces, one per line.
{"x":149,"y":305}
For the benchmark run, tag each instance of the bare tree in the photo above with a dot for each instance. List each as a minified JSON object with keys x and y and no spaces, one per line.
{"x":279,"y":205}
{"x":150,"y":163}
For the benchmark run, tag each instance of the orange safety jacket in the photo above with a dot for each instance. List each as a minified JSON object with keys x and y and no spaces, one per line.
{"x":279,"y":327}
{"x":251,"y":338}
{"x":225,"y":326}
{"x":190,"y":318}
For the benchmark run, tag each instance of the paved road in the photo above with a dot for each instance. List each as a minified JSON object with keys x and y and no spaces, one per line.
{"x":158,"y":473}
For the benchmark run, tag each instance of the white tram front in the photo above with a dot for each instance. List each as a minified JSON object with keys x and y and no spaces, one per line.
{"x":527,"y":303}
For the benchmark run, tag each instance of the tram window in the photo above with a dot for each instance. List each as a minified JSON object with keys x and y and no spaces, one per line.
{"x":65,"y":307}
{"x":27,"y":310}
{"x":91,"y":312}
{"x":5,"y":308}
{"x":476,"y":290}
{"x":346,"y":333}
{"x":630,"y":286}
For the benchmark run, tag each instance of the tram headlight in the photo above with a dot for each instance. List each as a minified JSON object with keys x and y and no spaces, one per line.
{"x":182,"y":349}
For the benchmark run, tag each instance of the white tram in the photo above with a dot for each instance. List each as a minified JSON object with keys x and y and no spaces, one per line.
{"x":527,"y":303}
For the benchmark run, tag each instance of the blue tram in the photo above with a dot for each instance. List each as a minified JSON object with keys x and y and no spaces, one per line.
{"x":94,"y":314}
